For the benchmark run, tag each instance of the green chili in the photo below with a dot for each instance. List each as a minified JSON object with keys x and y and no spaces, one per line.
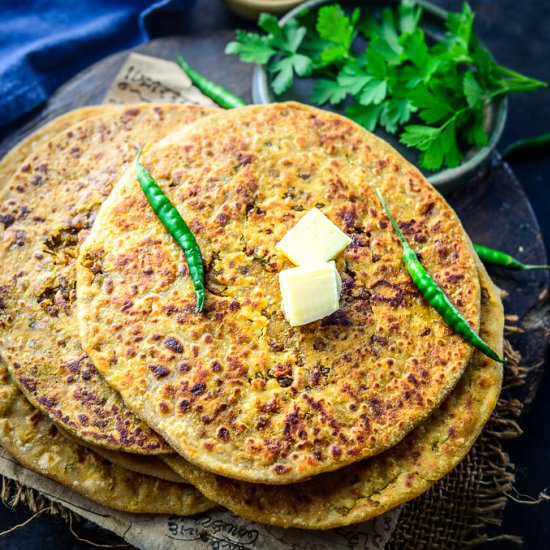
{"x":496,"y":257}
{"x":176,"y":226}
{"x":223,"y":97}
{"x":435,"y":295}
{"x":529,"y":146}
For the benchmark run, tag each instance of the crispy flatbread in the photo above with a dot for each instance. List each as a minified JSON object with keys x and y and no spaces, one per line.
{"x":15,"y":156}
{"x":142,"y":464}
{"x":147,"y":465}
{"x":38,"y":445}
{"x":362,"y":491}
{"x":236,"y":390}
{"x":47,"y":206}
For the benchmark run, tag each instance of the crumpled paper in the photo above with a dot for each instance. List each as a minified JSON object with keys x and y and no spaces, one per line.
{"x":148,"y":79}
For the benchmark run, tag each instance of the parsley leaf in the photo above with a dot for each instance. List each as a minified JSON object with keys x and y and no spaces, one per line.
{"x":352,"y":78}
{"x":415,"y":47}
{"x":279,"y":48}
{"x":409,"y":16}
{"x":474,"y":132}
{"x":251,"y":47}
{"x":376,"y":63}
{"x":270,"y":24}
{"x":390,"y":114}
{"x":366,"y":116}
{"x":438,"y":145}
{"x":433,"y":108}
{"x":396,"y":112}
{"x":327,"y":91}
{"x":284,"y":70}
{"x":472,"y":90}
{"x":373,"y":92}
{"x":460,"y":26}
{"x":334,"y":25}
{"x":419,"y":136}
{"x":452,"y":154}
{"x":383,"y":37}
{"x":294,"y":35}
{"x":456,"y":42}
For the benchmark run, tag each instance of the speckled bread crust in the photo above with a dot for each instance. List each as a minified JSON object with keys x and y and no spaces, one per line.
{"x":37,"y":444}
{"x":15,"y":156}
{"x":148,"y":465}
{"x":45,"y":210}
{"x":236,"y":390}
{"x":367,"y":489}
{"x":142,"y":464}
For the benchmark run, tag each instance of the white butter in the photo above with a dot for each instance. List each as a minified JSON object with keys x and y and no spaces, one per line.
{"x":310,"y":292}
{"x":314,"y":239}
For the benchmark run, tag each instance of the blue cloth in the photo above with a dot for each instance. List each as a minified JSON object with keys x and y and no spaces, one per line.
{"x":45,"y":42}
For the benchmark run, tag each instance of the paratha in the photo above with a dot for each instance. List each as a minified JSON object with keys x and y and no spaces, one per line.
{"x":236,"y":390}
{"x":147,"y":465}
{"x":15,"y":156}
{"x":367,"y":489}
{"x":38,"y":445}
{"x":151,"y":466}
{"x":49,"y":203}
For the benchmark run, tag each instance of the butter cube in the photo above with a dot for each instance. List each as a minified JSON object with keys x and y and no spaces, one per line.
{"x":310,"y":292}
{"x":314,"y":239}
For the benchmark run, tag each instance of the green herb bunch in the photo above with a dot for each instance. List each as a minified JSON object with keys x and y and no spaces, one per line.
{"x":433,"y":95}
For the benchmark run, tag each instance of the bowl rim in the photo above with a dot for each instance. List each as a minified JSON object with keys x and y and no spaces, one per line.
{"x":446,"y":180}
{"x":268,"y":3}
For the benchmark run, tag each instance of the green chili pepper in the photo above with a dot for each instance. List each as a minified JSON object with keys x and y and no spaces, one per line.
{"x":538,"y":144}
{"x":435,"y":295}
{"x":176,"y":226}
{"x":223,"y":97}
{"x":491,"y":256}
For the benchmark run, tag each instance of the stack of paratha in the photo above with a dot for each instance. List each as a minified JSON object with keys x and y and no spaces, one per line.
{"x":316,"y":426}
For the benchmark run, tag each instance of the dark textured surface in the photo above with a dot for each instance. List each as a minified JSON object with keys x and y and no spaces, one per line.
{"x":517,"y":34}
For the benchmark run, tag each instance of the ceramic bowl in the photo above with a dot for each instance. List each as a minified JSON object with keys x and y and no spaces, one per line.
{"x":251,"y":9}
{"x":433,"y":19}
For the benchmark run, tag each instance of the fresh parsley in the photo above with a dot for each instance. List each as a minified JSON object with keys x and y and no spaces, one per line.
{"x":432,"y":95}
{"x":278,"y":48}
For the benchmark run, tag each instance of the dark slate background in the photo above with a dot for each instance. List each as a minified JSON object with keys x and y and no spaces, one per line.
{"x":518,"y":34}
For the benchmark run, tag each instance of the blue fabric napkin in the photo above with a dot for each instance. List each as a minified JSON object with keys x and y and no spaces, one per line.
{"x":45,"y":42}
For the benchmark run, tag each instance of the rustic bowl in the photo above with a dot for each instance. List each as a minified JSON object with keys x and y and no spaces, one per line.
{"x":251,"y":9}
{"x":433,"y":19}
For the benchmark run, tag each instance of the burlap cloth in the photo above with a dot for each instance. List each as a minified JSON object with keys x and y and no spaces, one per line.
{"x":458,"y":511}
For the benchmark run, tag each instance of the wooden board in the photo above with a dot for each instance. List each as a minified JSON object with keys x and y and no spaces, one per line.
{"x":494,"y":208}
{"x":495,"y":212}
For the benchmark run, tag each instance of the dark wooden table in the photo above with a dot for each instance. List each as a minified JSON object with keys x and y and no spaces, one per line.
{"x":517,"y":34}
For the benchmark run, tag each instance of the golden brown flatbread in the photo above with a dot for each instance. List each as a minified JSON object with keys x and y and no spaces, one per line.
{"x":15,"y":156}
{"x":142,"y":464}
{"x":37,"y":444}
{"x":236,"y":390}
{"x":45,"y":210}
{"x":362,"y":491}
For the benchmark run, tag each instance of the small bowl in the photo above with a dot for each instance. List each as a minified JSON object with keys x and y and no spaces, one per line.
{"x":251,"y":9}
{"x":445,"y":181}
